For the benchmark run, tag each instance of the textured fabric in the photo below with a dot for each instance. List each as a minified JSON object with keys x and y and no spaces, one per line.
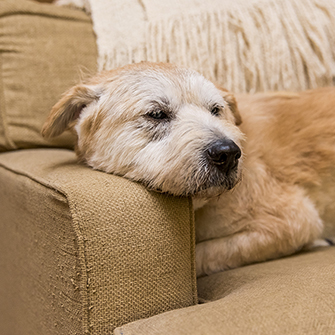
{"x":294,"y":295}
{"x":39,"y":265}
{"x":246,"y":46}
{"x":43,"y":49}
{"x":84,"y":244}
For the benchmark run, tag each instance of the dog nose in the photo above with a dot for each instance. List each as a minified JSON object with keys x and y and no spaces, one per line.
{"x":224,"y":154}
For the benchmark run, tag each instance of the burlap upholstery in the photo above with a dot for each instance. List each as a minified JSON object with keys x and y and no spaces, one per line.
{"x":84,"y":251}
{"x":43,"y":50}
{"x":40,"y":270}
{"x":294,"y":295}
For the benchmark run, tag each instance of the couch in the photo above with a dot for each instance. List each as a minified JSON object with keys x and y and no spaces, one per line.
{"x":84,"y":252}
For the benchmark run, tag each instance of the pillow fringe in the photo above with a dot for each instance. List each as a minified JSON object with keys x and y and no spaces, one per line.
{"x":244,"y":46}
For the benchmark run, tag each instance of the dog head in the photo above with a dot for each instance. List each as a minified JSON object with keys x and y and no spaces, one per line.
{"x":164,"y":126}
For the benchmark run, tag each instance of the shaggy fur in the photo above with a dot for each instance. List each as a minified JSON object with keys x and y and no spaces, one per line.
{"x":116,"y":116}
{"x":286,"y":198}
{"x":157,"y":124}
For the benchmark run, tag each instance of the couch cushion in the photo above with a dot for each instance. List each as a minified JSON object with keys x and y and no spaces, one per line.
{"x":43,"y":48}
{"x":133,"y":249}
{"x":293,"y":295}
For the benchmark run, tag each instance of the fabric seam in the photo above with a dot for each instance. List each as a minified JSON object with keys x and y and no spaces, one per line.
{"x":46,"y":15}
{"x":3,"y":116}
{"x":192,"y":243}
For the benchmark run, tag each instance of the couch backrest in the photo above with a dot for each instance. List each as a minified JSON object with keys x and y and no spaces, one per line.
{"x":44,"y":50}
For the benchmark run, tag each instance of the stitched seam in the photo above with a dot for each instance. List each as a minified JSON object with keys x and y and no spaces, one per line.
{"x":192,"y":243}
{"x":46,"y":15}
{"x":3,"y":117}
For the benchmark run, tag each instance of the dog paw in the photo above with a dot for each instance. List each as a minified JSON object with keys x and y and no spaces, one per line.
{"x":326,"y":242}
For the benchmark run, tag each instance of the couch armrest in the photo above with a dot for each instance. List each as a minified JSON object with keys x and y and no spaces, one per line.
{"x":83,"y":251}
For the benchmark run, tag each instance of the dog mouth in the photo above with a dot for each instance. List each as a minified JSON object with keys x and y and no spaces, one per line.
{"x":217,"y":182}
{"x":217,"y":170}
{"x":209,"y":182}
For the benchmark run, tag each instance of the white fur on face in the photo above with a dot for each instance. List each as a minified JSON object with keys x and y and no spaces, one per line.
{"x":168,"y":154}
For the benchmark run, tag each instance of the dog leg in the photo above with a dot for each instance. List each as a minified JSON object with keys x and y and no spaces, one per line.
{"x":265,"y":237}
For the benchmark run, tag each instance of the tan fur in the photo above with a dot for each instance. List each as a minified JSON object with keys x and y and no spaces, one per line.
{"x":231,"y":100}
{"x":286,"y":197}
{"x":287,"y":193}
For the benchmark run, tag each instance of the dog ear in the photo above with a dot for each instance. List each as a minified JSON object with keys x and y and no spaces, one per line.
{"x":68,"y":109}
{"x":230,"y":99}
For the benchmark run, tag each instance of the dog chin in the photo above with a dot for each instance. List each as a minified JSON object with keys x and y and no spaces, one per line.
{"x":211,"y":185}
{"x":215,"y":191}
{"x":204,"y":191}
{"x":212,"y":189}
{"x":217,"y":184}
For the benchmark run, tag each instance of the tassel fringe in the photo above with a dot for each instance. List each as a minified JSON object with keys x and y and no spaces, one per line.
{"x":246,"y":47}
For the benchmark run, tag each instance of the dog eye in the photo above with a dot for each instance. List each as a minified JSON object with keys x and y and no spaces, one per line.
{"x":216,"y":110}
{"x":158,"y":115}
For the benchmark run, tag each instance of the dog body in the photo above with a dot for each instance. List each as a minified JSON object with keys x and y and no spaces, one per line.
{"x":287,"y":193}
{"x":174,"y":131}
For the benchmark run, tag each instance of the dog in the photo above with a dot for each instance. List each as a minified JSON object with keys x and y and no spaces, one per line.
{"x":285,"y":201}
{"x":175,"y":132}
{"x":166,"y":127}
